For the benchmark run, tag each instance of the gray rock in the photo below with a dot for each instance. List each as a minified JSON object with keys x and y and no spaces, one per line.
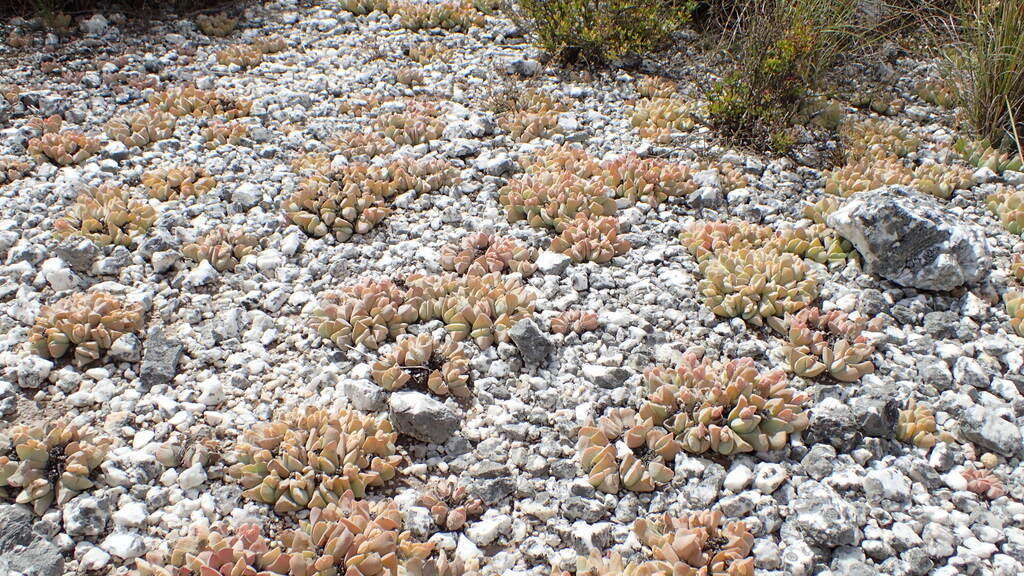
{"x":876,"y":416}
{"x":124,"y":545}
{"x":522,"y":67}
{"x":986,"y":429}
{"x":532,"y":343}
{"x":33,"y":371}
{"x":85,"y":516}
{"x":160,"y":360}
{"x":364,"y":395}
{"x":79,"y":254}
{"x":246,"y":196}
{"x":15,"y":527}
{"x":886,"y":484}
{"x":912,"y":240}
{"x":833,"y":422}
{"x":605,"y":376}
{"x":127,"y":348}
{"x":39,"y":558}
{"x":824,"y":517}
{"x":95,"y":25}
{"x":933,"y":371}
{"x":817,"y":463}
{"x":495,"y":165}
{"x":422,"y":417}
{"x":968,"y":372}
{"x":555,"y":263}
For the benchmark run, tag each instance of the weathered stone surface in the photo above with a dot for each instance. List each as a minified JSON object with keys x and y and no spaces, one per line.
{"x":160,"y":359}
{"x":532,"y":343}
{"x":909,"y":238}
{"x":420,"y":416}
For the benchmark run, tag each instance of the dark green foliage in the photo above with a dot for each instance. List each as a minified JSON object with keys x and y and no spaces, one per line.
{"x":594,"y":31}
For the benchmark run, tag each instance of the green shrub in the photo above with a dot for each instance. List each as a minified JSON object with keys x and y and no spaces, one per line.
{"x":778,"y":51}
{"x":593,"y":31}
{"x":988,"y":67}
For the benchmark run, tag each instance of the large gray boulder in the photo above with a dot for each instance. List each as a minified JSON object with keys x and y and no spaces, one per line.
{"x":909,"y":238}
{"x":422,"y":417}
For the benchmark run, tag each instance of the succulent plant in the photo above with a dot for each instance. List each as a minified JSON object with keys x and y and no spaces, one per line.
{"x":942,"y":180}
{"x":756,"y":284}
{"x":656,"y":87}
{"x":364,"y":7}
{"x":142,"y":128}
{"x":450,"y":504}
{"x":552,"y":200}
{"x":361,"y":145}
{"x":586,"y":239}
{"x":216,"y":552}
{"x":222,"y":247}
{"x":176,"y":182}
{"x":13,"y":168}
{"x":424,"y":53}
{"x":483,"y":308}
{"x":819,"y":211}
{"x":704,"y":239}
{"x":85,"y":324}
{"x":642,"y":466}
{"x":410,"y":76}
{"x":216,"y":24}
{"x":342,"y":209}
{"x":534,"y":114}
{"x":64,"y":148}
{"x":481,"y":253}
{"x":451,"y":15}
{"x":310,"y":458}
{"x":217,"y":134}
{"x":868,"y":173}
{"x":650,"y":180}
{"x":369,"y":314}
{"x":241,"y":56}
{"x":730,"y":176}
{"x":270,"y":44}
{"x":816,"y":242}
{"x":982,"y":154}
{"x":831,"y":342}
{"x":937,"y":93}
{"x":611,"y":565}
{"x":1008,"y":205}
{"x":916,"y":425}
{"x":39,"y":126}
{"x":49,"y":463}
{"x":562,"y":158}
{"x":727,"y":408}
{"x":189,"y":101}
{"x":1015,"y":310}
{"x":418,"y":123}
{"x":697,"y":544}
{"x":879,"y":139}
{"x":422,"y":175}
{"x":983,"y":482}
{"x":657,"y":118}
{"x":423,"y":363}
{"x":106,"y":215}
{"x":575,"y":321}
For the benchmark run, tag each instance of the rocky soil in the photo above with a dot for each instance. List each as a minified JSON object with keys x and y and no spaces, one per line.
{"x":222,"y":350}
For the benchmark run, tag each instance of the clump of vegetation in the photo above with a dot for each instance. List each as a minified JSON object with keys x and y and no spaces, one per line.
{"x":779,"y":51}
{"x":575,"y":321}
{"x":591,"y":240}
{"x":442,"y":368}
{"x":595,"y":31}
{"x":106,"y":215}
{"x":916,"y":425}
{"x":482,"y":253}
{"x":85,"y":324}
{"x":176,"y":182}
{"x":989,"y":70}
{"x":222,"y":247}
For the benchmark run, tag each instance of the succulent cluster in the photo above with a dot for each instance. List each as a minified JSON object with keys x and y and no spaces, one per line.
{"x":941,"y":180}
{"x":222,"y":247}
{"x":368,"y":314}
{"x":106,"y":215}
{"x":418,"y":123}
{"x":217,"y":134}
{"x":937,"y":93}
{"x":364,"y":7}
{"x":1014,"y":301}
{"x":451,"y":15}
{"x":176,"y":182}
{"x":322,"y":206}
{"x":47,"y":463}
{"x":361,"y":145}
{"x":730,"y":176}
{"x":575,"y":321}
{"x":819,"y":211}
{"x":64,"y":148}
{"x":311,"y":458}
{"x":724,"y":408}
{"x":830,"y":342}
{"x":1008,"y":205}
{"x":141,"y":128}
{"x":586,"y":239}
{"x":868,"y":173}
{"x":479,"y":308}
{"x":426,"y":364}
{"x":553,"y":199}
{"x":916,"y":425}
{"x":533,"y":115}
{"x":85,"y":324}
{"x":655,"y":87}
{"x":216,"y":24}
{"x":189,"y":101}
{"x":643,"y":466}
{"x":879,"y":138}
{"x":983,"y":482}
{"x":425,"y":52}
{"x":816,"y":242}
{"x":482,"y":253}
{"x":239,"y":55}
{"x":40,"y":126}
{"x":657,"y":118}
{"x":410,"y":76}
{"x":450,"y":504}
{"x":650,"y":180}
{"x":982,"y":154}
{"x":697,"y":545}
{"x":348,"y":536}
{"x":13,"y":168}
{"x":756,"y":284}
